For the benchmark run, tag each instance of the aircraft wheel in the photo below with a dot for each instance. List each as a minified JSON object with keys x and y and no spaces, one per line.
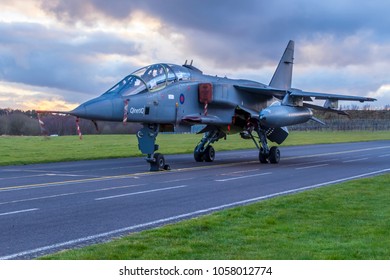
{"x":263,"y":156}
{"x":198,"y":156}
{"x":160,"y":161}
{"x":274,"y":155}
{"x":209,"y":154}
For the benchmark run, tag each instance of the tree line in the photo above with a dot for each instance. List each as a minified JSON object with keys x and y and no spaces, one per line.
{"x":17,"y":122}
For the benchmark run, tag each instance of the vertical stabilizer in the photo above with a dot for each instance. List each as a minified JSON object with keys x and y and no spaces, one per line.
{"x":283,"y":74}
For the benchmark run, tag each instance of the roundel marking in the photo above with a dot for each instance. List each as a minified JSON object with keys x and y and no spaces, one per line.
{"x":182,"y":99}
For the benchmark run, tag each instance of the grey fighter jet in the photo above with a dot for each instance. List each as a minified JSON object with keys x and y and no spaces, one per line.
{"x":166,"y":96}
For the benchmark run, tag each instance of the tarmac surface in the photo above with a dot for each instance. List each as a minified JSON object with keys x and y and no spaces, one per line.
{"x":45,"y":208}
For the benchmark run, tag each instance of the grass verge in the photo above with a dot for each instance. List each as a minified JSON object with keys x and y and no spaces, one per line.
{"x":344,"y":221}
{"x":27,"y":150}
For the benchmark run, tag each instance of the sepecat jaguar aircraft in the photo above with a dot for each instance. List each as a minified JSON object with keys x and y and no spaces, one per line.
{"x":169,"y":97}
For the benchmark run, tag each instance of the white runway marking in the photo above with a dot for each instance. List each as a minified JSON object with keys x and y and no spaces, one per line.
{"x":387,"y":155}
{"x":63,"y":175}
{"x":245,"y":171}
{"x":69,"y":194}
{"x":178,"y":180}
{"x":21,"y":177}
{"x":142,"y":192}
{"x":20,"y":211}
{"x":242,"y":177}
{"x":312,"y":166}
{"x":339,"y":153}
{"x":353,"y":160}
{"x":311,"y":162}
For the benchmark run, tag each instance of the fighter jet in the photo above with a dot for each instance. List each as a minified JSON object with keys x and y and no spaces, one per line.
{"x":171,"y":97}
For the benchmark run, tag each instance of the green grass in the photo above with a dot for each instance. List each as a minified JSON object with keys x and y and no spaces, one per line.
{"x":345,"y":221}
{"x":26,"y":150}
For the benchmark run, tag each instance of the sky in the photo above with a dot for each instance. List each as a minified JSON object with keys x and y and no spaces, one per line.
{"x":57,"y":54}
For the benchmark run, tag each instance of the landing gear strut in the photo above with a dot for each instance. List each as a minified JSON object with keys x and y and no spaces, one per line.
{"x":204,"y":151}
{"x":265,"y":153}
{"x":147,"y":144}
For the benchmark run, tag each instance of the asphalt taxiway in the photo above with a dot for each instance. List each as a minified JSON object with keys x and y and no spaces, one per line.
{"x":48,"y":207}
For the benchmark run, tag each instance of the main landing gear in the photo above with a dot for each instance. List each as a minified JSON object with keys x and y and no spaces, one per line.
{"x":147,"y":144}
{"x":204,"y":151}
{"x":266,"y":154}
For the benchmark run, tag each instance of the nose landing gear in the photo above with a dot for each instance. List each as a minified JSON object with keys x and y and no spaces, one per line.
{"x":147,"y":145}
{"x":157,"y":162}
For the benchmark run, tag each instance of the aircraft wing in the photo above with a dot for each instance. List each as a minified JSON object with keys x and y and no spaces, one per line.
{"x":266,"y":92}
{"x":328,"y":96}
{"x":269,"y":92}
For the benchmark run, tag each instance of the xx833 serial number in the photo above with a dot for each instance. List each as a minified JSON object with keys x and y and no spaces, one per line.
{"x":244,"y":271}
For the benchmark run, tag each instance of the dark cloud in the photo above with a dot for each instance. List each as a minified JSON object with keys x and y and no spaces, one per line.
{"x":36,"y":55}
{"x":231,"y":32}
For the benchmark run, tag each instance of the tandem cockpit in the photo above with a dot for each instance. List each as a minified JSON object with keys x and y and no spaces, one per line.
{"x":151,"y":78}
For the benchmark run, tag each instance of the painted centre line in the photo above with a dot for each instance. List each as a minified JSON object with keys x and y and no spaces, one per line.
{"x":338,"y":153}
{"x":178,"y":180}
{"x":243,"y":177}
{"x":64,"y":175}
{"x":312,"y":166}
{"x":246,"y":171}
{"x":143,"y":192}
{"x":312,"y":162}
{"x":21,"y":177}
{"x":353,"y":160}
{"x":387,"y":155}
{"x":69,"y":194}
{"x":17,"y":212}
{"x":240,"y":171}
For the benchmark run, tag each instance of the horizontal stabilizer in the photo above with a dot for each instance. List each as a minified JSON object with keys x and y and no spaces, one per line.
{"x":317,"y":120}
{"x":319,"y":108}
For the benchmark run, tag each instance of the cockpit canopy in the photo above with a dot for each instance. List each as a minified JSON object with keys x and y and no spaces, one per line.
{"x":150,"y":79}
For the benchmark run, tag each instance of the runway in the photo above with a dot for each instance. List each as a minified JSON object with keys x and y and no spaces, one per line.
{"x":45,"y":208}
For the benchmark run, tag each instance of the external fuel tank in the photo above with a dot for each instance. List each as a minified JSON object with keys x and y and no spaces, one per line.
{"x":283,"y":115}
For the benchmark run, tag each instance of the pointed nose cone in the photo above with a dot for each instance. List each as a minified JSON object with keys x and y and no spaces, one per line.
{"x":79,"y":111}
{"x":96,"y":109}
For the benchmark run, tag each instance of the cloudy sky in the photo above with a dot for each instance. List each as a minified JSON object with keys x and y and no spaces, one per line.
{"x":56,"y":54}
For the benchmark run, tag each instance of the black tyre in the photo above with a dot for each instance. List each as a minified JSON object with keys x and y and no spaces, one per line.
{"x":209,"y":154}
{"x":274,"y":155}
{"x":160,"y":160}
{"x":198,"y":156}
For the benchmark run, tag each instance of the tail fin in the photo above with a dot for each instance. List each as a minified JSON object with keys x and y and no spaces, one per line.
{"x":283,"y":74}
